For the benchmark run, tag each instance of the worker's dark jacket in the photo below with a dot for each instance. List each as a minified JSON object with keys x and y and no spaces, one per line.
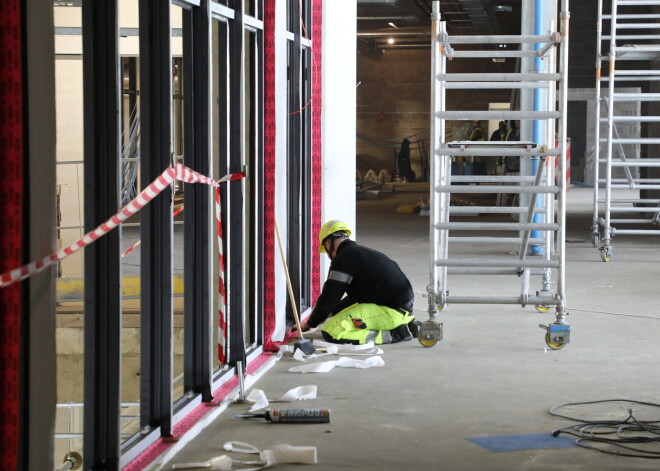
{"x":366,"y":276}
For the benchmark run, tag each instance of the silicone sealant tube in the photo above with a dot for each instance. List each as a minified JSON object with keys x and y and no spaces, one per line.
{"x":292,"y":416}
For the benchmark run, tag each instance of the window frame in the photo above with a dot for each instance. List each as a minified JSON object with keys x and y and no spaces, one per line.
{"x":159,"y":411}
{"x":299,"y":154}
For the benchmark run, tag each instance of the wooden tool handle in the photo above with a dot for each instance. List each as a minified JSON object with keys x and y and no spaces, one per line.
{"x":288,"y":280}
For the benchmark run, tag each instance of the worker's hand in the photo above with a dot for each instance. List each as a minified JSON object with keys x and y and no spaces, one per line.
{"x":304,"y":326}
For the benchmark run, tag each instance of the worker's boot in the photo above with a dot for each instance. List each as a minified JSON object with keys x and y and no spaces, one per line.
{"x":414,"y":326}
{"x":401,"y":334}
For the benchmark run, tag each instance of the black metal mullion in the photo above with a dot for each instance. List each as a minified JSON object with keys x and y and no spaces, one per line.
{"x":224,"y":33}
{"x":223,"y":104}
{"x":198,"y":331}
{"x":306,"y":180}
{"x":101,"y":88}
{"x":156,"y":218}
{"x":294,"y":158}
{"x":258,"y":182}
{"x":234,"y":256}
{"x":251,"y":159}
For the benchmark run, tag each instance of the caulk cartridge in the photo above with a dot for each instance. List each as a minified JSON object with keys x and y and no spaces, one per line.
{"x":291,"y":416}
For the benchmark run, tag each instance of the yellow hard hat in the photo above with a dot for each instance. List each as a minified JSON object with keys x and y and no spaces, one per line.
{"x":330,"y":228}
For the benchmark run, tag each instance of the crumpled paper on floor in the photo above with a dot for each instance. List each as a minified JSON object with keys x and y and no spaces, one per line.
{"x":323,"y":348}
{"x":278,"y":454}
{"x":219,"y":463}
{"x":369,"y":348}
{"x":300,"y":393}
{"x":344,"y":362}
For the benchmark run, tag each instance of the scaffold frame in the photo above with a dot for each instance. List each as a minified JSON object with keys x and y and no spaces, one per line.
{"x":625,"y":22}
{"x":541,"y":213}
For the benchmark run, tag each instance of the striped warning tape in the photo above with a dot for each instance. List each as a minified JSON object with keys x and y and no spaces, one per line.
{"x":178,"y":172}
{"x":177,"y":211}
{"x":222,"y":311}
{"x":135,"y":245}
{"x":131,"y":248}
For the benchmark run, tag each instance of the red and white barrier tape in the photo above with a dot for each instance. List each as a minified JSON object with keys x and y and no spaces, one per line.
{"x":222,"y":311}
{"x":177,"y":211}
{"x":131,"y":248}
{"x":135,"y":245}
{"x":178,"y":172}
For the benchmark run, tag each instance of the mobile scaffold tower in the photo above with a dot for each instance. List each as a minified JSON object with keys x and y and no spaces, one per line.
{"x":540,"y":225}
{"x":627,"y":31}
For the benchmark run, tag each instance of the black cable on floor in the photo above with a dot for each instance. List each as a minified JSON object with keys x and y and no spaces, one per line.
{"x":615,"y":437}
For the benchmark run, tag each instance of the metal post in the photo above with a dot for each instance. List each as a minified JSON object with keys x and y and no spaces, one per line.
{"x":156,"y":362}
{"x":599,"y":32}
{"x":435,"y":167}
{"x":561,"y":209}
{"x":431,"y":331}
{"x":605,"y":245}
{"x":198,"y":364}
{"x":241,"y":382}
{"x":102,"y":259}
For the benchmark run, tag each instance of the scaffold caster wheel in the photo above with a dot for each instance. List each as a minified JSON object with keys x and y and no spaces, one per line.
{"x":542,"y":308}
{"x":429,"y":334}
{"x":553,"y":345}
{"x":557,"y":335}
{"x":426,"y":340}
{"x":595,"y":239}
{"x":605,"y":254}
{"x":440,"y":307}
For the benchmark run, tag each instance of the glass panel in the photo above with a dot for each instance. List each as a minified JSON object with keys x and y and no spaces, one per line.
{"x":300,"y":63}
{"x":306,"y":175}
{"x":306,"y":15}
{"x":129,"y":50}
{"x":178,"y":256}
{"x":220,"y":119}
{"x":294,"y":176}
{"x":291,"y":9}
{"x":250,"y":7}
{"x":250,"y":148}
{"x":299,"y":11}
{"x":70,"y":209}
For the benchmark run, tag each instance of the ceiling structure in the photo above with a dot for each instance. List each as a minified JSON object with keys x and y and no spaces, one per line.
{"x":389,"y":24}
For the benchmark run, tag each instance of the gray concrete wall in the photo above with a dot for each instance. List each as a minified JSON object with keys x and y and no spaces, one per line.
{"x":393,"y":102}
{"x":393,"y":95}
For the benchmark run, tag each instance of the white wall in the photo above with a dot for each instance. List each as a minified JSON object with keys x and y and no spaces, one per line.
{"x":338,"y":129}
{"x":338,"y":117}
{"x":281,"y":292}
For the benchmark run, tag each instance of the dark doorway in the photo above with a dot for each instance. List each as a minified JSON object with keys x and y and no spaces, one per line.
{"x":577,"y":132}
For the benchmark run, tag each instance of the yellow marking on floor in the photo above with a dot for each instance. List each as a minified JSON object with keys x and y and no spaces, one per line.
{"x":72,"y":289}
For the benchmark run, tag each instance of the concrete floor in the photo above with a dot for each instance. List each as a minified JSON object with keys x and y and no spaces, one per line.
{"x":491,"y":375}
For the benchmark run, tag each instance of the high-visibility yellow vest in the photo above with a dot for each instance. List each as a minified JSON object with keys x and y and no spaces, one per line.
{"x":472,"y":134}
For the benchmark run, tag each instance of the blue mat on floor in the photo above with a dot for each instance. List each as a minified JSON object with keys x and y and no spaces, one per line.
{"x":522,"y":442}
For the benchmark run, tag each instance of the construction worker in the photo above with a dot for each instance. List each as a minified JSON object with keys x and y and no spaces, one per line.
{"x":501,"y":133}
{"x":403,"y":162}
{"x":472,"y":165}
{"x":477,"y":133}
{"x":379,"y":298}
{"x":512,"y":164}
